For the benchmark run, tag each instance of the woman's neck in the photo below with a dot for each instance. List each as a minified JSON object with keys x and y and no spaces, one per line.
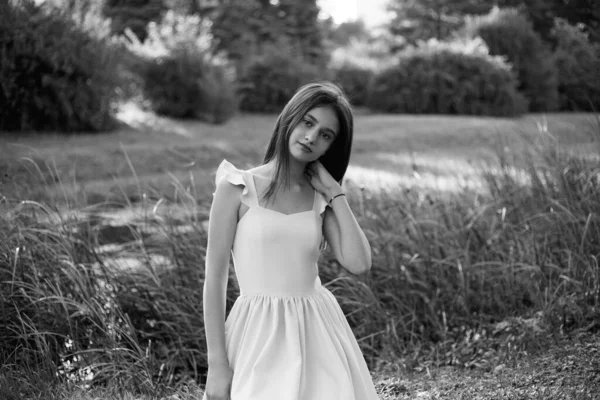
{"x":296,"y":172}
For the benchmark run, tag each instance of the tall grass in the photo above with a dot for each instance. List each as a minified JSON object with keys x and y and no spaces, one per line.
{"x":448,"y":272}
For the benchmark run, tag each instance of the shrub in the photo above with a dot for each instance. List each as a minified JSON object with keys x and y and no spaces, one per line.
{"x":508,"y":33}
{"x":578,"y":63}
{"x":355,"y":82}
{"x":185,"y":85}
{"x":272,"y":78}
{"x":447,"y":78}
{"x":54,"y":74}
{"x":181,"y":77}
{"x":354,"y":64}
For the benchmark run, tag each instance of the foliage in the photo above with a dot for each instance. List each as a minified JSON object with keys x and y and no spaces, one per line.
{"x":447,"y":78}
{"x":585,"y":12}
{"x":55,"y":73}
{"x":578,"y":63}
{"x":355,"y":81}
{"x":134,"y":15}
{"x":342,"y":34}
{"x":372,"y":54}
{"x":421,"y":20}
{"x":299,"y":19}
{"x":542,"y":14}
{"x":510,"y":34}
{"x":272,"y":78}
{"x":181,"y":76}
{"x":245,"y":28}
{"x":416,"y":20}
{"x":185,"y":86}
{"x":176,"y":32}
{"x":354,"y":64}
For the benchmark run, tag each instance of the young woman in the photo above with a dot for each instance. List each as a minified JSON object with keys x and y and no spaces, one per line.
{"x":286,"y":337}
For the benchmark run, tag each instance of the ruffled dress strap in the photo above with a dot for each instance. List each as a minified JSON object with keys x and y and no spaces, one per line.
{"x":236,"y":177}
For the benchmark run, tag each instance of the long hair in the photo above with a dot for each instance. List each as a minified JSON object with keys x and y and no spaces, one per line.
{"x":337,"y":157}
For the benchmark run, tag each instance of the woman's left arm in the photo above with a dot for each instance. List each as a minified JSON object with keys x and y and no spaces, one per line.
{"x":340,"y":228}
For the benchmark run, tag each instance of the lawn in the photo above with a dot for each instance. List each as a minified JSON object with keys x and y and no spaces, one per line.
{"x":438,"y":152}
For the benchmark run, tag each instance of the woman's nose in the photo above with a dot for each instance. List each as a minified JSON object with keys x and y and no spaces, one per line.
{"x":311,"y":135}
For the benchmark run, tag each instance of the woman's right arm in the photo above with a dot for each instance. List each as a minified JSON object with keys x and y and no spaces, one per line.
{"x":221,"y":231}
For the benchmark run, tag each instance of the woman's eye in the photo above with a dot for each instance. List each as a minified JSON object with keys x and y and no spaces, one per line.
{"x":307,"y":122}
{"x":326,"y":136}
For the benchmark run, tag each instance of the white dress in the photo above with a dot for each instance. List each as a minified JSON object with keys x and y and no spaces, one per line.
{"x":286,"y":335}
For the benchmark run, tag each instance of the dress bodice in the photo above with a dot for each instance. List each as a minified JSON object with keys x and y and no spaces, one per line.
{"x":274,"y":253}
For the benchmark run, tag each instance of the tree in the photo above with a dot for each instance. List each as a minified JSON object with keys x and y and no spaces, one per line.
{"x":542,"y":14}
{"x":344,"y":33}
{"x":300,"y":21}
{"x":244,"y":28}
{"x":509,"y":33}
{"x":423,"y":19}
{"x":578,"y":63}
{"x":133,"y":14}
{"x":586,"y":12}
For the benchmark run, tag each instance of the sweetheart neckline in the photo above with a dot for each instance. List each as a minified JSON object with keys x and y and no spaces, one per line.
{"x":274,"y":212}
{"x":312,"y":209}
{"x":284,"y":214}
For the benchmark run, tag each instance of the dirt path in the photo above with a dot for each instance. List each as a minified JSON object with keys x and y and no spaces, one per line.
{"x":569,"y":369}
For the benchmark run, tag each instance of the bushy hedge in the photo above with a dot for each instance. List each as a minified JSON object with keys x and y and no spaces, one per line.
{"x":448,"y":78}
{"x":509,"y":33}
{"x":180,"y":76}
{"x":272,"y":78}
{"x":54,"y":75}
{"x":578,"y":63}
{"x":184,"y":85}
{"x":355,"y":81}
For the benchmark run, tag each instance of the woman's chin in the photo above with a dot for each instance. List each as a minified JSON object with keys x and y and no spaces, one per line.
{"x":304,"y":157}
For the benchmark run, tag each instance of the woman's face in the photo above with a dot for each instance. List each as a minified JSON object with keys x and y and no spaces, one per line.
{"x":314,"y":134}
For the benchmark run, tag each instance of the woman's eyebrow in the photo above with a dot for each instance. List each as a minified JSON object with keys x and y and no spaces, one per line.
{"x":329,"y":130}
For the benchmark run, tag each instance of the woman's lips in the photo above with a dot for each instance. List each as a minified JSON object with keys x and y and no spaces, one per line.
{"x":306,"y":148}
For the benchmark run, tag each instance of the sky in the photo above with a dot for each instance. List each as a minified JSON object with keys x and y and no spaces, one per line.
{"x":371,"y":11}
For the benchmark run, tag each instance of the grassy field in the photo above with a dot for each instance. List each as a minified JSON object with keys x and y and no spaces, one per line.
{"x":485,"y":279}
{"x":435,"y":152}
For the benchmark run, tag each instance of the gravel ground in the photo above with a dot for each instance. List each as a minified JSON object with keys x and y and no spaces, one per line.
{"x":568,"y":369}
